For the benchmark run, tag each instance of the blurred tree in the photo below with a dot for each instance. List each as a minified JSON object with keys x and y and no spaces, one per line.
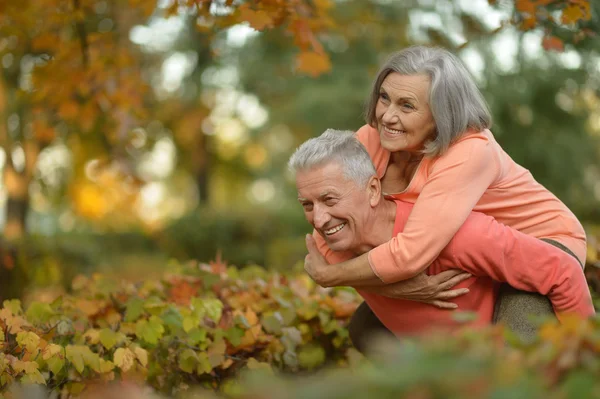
{"x":69,"y":69}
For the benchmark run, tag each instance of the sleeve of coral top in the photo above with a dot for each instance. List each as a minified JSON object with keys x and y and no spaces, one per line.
{"x":523,"y":261}
{"x":455,"y":184}
{"x":332,"y":257}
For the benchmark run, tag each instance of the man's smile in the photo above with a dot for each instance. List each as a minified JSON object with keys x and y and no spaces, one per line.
{"x":334,"y":230}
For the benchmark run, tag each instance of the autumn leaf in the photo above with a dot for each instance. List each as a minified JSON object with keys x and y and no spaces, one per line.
{"x":141,"y":355}
{"x":13,"y":323}
{"x":313,"y":64}
{"x":259,"y":20}
{"x":573,"y":13}
{"x":124,"y":359}
{"x":28,"y":340}
{"x":553,"y":43}
{"x":182,"y":292}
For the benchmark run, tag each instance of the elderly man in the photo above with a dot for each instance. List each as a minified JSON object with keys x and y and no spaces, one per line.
{"x":342,"y":199}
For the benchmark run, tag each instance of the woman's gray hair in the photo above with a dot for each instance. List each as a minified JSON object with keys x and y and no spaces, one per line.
{"x":455,"y":101}
{"x":335,"y":146}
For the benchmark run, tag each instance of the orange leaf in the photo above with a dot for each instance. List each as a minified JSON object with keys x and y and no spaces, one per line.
{"x":528,"y":23}
{"x":259,"y":20}
{"x":182,"y":292}
{"x":553,"y":43}
{"x":313,"y":64}
{"x":525,"y":6}
{"x":572,"y":14}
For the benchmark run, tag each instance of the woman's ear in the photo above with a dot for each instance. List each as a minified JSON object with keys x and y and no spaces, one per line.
{"x":374,"y":191}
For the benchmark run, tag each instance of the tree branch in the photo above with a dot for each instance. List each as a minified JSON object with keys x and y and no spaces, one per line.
{"x":80,"y":27}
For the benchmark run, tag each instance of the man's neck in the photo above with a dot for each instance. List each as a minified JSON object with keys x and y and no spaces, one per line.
{"x":380,"y":227}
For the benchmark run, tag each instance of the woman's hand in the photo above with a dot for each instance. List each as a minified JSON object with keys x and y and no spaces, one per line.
{"x":435,"y":290}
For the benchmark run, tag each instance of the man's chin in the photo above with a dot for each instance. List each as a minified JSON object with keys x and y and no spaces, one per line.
{"x":337,"y":246}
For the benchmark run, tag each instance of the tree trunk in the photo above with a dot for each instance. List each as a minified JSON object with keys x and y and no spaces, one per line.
{"x":201,"y":162}
{"x":17,"y":204}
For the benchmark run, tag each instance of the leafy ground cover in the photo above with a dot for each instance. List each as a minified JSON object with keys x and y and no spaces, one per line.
{"x":201,"y":330}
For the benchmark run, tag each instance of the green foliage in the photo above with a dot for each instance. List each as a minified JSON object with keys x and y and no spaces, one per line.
{"x":196,"y":324}
{"x":272,"y":238}
{"x":240,"y":332}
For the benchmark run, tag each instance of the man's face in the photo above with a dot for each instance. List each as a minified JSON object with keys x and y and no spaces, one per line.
{"x":335,"y":206}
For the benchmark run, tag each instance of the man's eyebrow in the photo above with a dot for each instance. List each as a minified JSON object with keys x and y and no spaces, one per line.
{"x":326,"y":193}
{"x":301,"y":199}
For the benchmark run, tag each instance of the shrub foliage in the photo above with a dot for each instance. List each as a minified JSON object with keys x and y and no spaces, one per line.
{"x":197,"y":324}
{"x":204,"y":325}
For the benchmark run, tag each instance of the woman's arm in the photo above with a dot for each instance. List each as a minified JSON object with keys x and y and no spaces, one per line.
{"x":435,"y":290}
{"x":456,"y":183}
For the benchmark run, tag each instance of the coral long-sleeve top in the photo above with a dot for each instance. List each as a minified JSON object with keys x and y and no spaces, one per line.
{"x":492,"y":253}
{"x":474,"y":174}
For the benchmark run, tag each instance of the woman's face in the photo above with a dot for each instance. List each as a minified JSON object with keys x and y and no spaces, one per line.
{"x":404,"y":119}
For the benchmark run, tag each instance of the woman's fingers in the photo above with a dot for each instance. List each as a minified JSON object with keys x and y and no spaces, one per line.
{"x":444,"y":305}
{"x":452,"y":293}
{"x":445,"y":284}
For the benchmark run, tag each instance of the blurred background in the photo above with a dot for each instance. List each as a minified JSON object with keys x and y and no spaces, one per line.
{"x":135,"y":132}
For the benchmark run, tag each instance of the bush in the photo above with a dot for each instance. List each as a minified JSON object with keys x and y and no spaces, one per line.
{"x":205,"y":328}
{"x":198,"y":324}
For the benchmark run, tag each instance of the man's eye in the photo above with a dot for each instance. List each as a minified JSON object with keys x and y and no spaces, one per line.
{"x":307,"y":206}
{"x":330,"y":201}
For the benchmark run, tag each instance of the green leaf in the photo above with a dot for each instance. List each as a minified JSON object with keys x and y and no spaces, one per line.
{"x":134,"y":309}
{"x":109,"y":338}
{"x":172,"y":319}
{"x":39,"y":313}
{"x":188,"y":359}
{"x":150,"y":330}
{"x":311,"y":356}
{"x":204,"y":364}
{"x":74,"y":355}
{"x":196,"y":336}
{"x":55,"y":364}
{"x":234,"y":335}
{"x":272,"y":323}
{"x":209,"y":307}
{"x":190,"y":322}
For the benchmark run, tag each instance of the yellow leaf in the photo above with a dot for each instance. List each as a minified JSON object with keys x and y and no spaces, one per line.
{"x":51,"y":350}
{"x":141,"y":355}
{"x":124,"y":358}
{"x":313,"y":64}
{"x":92,"y":336}
{"x":35,"y":377}
{"x":572,"y":14}
{"x":106,"y":366}
{"x":14,"y":324}
{"x":29,"y":341}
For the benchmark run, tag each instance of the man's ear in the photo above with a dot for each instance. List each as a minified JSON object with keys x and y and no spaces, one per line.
{"x":374,"y":191}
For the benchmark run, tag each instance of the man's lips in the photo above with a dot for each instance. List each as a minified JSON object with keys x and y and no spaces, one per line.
{"x":334,"y":229}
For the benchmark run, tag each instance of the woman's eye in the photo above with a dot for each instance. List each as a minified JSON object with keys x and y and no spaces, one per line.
{"x":408,"y":106}
{"x":383,"y":96}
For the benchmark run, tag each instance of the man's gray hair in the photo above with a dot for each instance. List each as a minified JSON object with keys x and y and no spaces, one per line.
{"x":335,"y":146}
{"x":455,"y":101}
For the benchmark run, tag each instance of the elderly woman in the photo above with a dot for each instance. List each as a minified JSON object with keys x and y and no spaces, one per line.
{"x":428,"y":136}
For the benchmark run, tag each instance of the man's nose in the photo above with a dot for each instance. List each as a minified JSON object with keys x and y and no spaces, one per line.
{"x":321,"y":217}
